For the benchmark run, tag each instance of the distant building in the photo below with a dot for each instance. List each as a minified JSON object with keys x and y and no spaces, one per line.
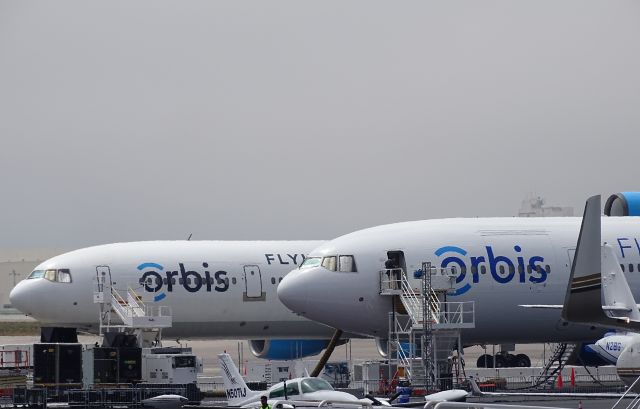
{"x":534,"y":207}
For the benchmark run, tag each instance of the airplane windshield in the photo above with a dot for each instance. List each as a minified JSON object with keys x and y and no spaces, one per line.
{"x":315,"y":384}
{"x":59,"y":276}
{"x":36,"y":274}
{"x":311,"y":262}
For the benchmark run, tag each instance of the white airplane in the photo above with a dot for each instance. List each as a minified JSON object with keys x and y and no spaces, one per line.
{"x":598,"y":293}
{"x":216,"y":289}
{"x":500,"y":263}
{"x":306,"y":389}
{"x":298,"y":389}
{"x":612,"y":344}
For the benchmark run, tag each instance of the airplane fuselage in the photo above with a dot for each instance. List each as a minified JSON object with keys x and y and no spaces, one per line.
{"x":499,"y":264}
{"x":216,"y":289}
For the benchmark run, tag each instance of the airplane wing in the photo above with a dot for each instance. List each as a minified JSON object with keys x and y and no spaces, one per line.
{"x":559,"y":307}
{"x":542,"y":306}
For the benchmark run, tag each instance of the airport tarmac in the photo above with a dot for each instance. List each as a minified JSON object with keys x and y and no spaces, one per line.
{"x":360,"y":350}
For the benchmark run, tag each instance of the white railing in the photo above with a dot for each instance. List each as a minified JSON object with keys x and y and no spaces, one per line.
{"x":121,"y":307}
{"x":459,"y":313}
{"x":133,"y":307}
{"x":391,"y":281}
{"x":411,"y":300}
{"x":157,"y":311}
{"x":135,"y":301}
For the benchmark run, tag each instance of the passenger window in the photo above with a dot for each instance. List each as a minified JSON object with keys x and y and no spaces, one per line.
{"x":501,"y":270}
{"x":547,"y":269}
{"x":622,"y":267}
{"x":483,"y":270}
{"x":64,"y":276}
{"x":50,"y":275}
{"x":329,"y":263}
{"x":631,"y":268}
{"x":474,"y":270}
{"x":233,"y":280}
{"x":273,"y":280}
{"x":347,"y":264}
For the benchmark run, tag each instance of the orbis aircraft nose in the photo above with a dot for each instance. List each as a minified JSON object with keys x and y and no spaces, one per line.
{"x":293,"y":291}
{"x":19,"y":298}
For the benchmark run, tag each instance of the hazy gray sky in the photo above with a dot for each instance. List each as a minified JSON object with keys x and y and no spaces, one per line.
{"x":291,"y":120}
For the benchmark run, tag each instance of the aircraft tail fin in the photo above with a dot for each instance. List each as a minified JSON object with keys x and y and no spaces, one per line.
{"x":475,"y":389}
{"x":617,"y":296}
{"x":583,"y":301}
{"x":237,"y":391}
{"x":584,"y":298}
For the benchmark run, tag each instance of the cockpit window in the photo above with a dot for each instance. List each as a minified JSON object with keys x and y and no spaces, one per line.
{"x":50,"y":275}
{"x":59,"y":276}
{"x":311,"y":262}
{"x":315,"y":384}
{"x":36,"y":274}
{"x":64,"y":276}
{"x":347,"y":264}
{"x":329,"y":263}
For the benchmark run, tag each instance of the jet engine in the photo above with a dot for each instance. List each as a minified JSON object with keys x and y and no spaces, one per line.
{"x":623,"y":204}
{"x":285,"y":349}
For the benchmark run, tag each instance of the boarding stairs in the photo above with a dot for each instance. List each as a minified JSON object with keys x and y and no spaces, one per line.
{"x":126,"y":311}
{"x":424,"y":327}
{"x":560,"y":354}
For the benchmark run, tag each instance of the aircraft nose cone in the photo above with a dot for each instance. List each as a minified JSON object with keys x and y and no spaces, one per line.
{"x":293,"y":291}
{"x":19,"y":298}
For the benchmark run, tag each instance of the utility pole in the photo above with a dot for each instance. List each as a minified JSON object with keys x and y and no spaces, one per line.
{"x":14,"y":274}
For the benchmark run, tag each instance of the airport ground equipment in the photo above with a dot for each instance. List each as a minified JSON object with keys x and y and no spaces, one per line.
{"x":560,"y":355}
{"x":126,"y":312}
{"x":424,"y":327}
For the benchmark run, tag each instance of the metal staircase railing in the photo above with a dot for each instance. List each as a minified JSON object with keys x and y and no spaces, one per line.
{"x":561,"y":353}
{"x":412,"y":301}
{"x":121,"y":307}
{"x":134,"y":313}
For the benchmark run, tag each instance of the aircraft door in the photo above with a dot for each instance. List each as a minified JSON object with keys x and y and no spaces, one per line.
{"x":102,"y":292}
{"x":253,"y":284}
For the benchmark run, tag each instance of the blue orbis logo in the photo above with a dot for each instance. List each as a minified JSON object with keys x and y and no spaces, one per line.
{"x":502,"y":269}
{"x":156,"y":279}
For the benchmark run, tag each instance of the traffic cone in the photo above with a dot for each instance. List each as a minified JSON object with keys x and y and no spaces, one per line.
{"x":559,"y":380}
{"x":573,"y":378}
